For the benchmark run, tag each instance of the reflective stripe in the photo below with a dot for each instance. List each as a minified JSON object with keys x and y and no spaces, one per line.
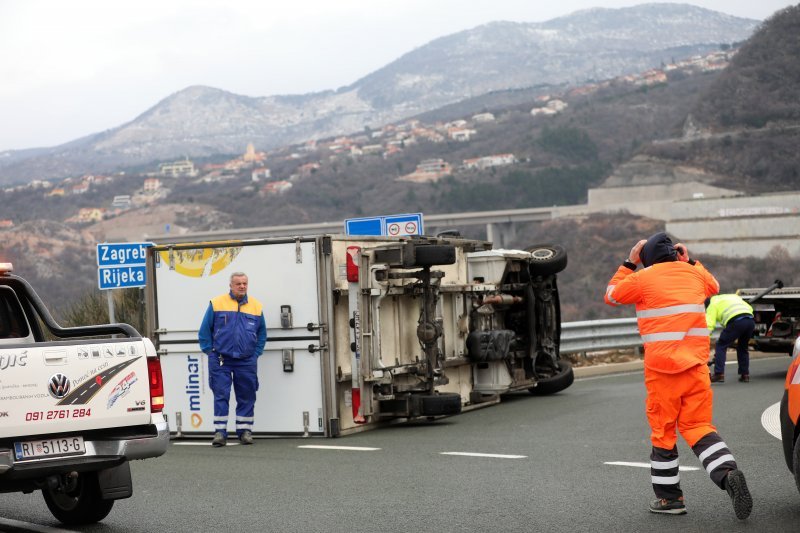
{"x":734,"y":311}
{"x":609,"y":290}
{"x":245,"y":419}
{"x":675,"y":335}
{"x":724,"y":459}
{"x":220,"y":419}
{"x":671,"y":310}
{"x":244,"y":426}
{"x":659,"y":465}
{"x":715,"y":448}
{"x":659,"y":480}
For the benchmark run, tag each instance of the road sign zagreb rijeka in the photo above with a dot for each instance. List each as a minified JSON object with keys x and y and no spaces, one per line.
{"x":391,"y":225}
{"x":122,"y":265}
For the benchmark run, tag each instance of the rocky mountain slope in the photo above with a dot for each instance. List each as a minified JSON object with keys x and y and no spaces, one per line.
{"x":199,"y":121}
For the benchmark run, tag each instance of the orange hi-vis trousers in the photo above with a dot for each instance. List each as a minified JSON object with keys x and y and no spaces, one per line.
{"x":682,"y":401}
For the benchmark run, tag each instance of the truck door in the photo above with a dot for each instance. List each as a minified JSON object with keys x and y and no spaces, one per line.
{"x":283,"y":276}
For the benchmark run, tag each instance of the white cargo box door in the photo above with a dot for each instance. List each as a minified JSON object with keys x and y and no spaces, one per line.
{"x":289,"y":402}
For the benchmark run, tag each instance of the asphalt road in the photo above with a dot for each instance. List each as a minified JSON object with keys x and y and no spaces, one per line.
{"x":549,"y":472}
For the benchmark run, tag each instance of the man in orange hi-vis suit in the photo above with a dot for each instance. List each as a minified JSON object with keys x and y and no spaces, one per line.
{"x":669,"y":294}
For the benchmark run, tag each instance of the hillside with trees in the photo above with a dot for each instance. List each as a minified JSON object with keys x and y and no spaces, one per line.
{"x":747,"y":123}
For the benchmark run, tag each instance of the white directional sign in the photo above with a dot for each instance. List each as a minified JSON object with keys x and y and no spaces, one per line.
{"x":121,"y":265}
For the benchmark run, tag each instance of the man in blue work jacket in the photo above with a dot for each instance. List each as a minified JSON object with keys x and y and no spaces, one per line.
{"x":233,"y":334}
{"x":736,"y":316}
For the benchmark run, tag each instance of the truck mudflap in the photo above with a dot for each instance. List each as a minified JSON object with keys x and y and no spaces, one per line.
{"x":138,"y":443}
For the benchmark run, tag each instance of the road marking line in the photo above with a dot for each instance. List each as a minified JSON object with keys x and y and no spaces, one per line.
{"x":199,"y":443}
{"x":28,"y":526}
{"x":350,"y":448}
{"x":492,"y":455}
{"x":771,"y":420}
{"x":647,"y":465}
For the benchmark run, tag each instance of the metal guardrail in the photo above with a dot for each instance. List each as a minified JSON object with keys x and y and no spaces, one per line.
{"x":599,"y":335}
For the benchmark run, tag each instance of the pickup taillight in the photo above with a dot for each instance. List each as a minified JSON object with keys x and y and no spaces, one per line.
{"x":156,"y":384}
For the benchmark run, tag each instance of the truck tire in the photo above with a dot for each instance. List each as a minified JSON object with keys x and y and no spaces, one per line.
{"x":547,"y":259}
{"x":558,"y":382}
{"x":434,"y":254}
{"x":448,"y":403}
{"x":81,"y":505}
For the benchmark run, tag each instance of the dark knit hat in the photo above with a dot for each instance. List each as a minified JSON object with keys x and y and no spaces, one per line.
{"x":658,"y":249}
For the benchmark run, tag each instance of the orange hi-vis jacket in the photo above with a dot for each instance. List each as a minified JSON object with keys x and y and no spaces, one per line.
{"x":669,"y":310}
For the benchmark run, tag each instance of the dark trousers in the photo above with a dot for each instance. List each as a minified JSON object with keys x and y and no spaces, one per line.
{"x":740,"y":330}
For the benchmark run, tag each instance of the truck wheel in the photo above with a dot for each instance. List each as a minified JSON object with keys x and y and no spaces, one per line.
{"x":448,"y":403}
{"x":547,"y":259}
{"x":557,"y":382}
{"x":434,"y":254}
{"x":81,"y":504}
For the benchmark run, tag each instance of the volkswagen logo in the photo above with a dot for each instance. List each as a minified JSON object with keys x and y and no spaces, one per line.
{"x":58,"y":387}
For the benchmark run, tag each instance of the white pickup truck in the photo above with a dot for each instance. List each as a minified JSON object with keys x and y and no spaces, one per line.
{"x":76,"y":405}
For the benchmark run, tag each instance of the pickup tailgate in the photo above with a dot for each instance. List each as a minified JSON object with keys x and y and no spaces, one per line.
{"x":74,"y":386}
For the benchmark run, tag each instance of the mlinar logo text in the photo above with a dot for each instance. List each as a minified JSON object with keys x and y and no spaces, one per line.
{"x":193,"y":389}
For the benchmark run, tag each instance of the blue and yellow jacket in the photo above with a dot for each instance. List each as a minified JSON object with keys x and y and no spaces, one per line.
{"x":232,"y":328}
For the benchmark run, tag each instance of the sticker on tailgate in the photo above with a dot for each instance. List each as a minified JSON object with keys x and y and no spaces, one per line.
{"x":90,"y":385}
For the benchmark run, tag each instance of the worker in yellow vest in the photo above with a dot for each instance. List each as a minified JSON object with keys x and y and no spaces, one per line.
{"x":736,"y":316}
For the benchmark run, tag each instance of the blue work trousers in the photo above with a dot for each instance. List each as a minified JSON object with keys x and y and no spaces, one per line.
{"x":740,"y":330}
{"x":243,"y":375}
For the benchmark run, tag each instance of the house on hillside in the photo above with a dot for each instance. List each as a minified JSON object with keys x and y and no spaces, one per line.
{"x":151,"y":185}
{"x":6,"y":223}
{"x":488,"y":161}
{"x":274,"y":187}
{"x":428,"y":170}
{"x":551,"y":108}
{"x":178,"y":169}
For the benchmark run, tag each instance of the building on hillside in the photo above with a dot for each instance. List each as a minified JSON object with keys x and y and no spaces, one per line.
{"x":488,"y":161}
{"x":428,"y":170}
{"x":274,"y":187}
{"x":551,"y":108}
{"x":151,"y":185}
{"x":260,"y":173}
{"x":122,"y":201}
{"x":90,"y":214}
{"x":460,"y":134}
{"x":251,"y":156}
{"x":56,"y":191}
{"x":80,"y":188}
{"x":483,"y":117}
{"x":6,"y":223}
{"x":178,"y":169}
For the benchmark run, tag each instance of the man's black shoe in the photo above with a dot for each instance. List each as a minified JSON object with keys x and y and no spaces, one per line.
{"x":740,"y":495}
{"x":718,"y":378}
{"x":665,"y":506}
{"x":744,"y":378}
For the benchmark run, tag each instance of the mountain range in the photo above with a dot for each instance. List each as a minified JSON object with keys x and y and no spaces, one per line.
{"x":202,"y":121}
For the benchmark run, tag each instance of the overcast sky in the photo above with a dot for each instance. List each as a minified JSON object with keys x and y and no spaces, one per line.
{"x":69,"y":68}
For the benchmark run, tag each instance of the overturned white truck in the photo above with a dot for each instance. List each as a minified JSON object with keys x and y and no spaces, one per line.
{"x":362,"y":330}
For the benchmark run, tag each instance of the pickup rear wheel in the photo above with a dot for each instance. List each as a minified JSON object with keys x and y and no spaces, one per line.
{"x":78,"y":502}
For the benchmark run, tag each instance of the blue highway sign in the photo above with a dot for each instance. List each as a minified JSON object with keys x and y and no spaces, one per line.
{"x":391,"y":225}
